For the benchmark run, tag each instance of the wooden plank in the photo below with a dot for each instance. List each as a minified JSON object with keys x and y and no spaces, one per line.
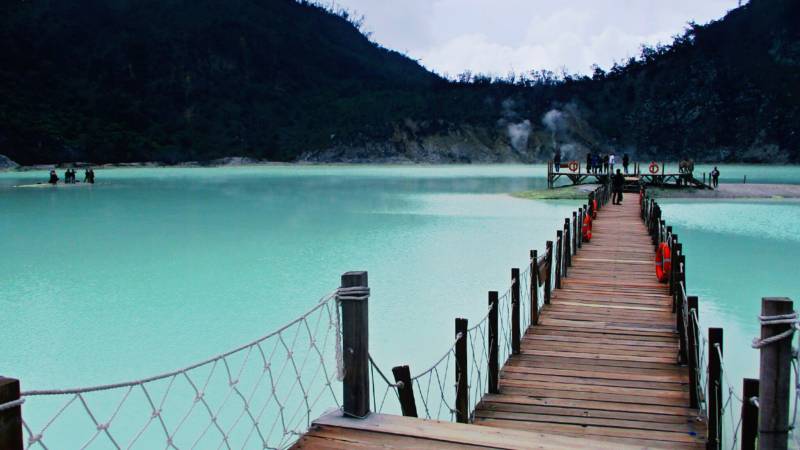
{"x":457,"y":433}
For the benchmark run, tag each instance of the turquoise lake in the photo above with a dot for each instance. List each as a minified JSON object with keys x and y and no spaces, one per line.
{"x":153,"y":269}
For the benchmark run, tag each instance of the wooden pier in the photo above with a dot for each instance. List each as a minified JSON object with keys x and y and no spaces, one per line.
{"x":601,"y":362}
{"x":654,"y":174}
{"x":598,"y":369}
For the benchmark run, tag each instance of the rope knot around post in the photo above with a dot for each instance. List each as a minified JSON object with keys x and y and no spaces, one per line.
{"x":779,"y":319}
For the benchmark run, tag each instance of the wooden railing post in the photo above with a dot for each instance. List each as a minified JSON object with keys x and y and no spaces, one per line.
{"x":676,"y":273}
{"x":673,"y":254}
{"x":462,"y":383}
{"x":680,"y":326}
{"x":749,"y":414}
{"x":559,"y":246}
{"x":355,"y":343}
{"x":575,"y":233}
{"x":578,"y":233}
{"x":11,"y":417}
{"x":567,"y":250}
{"x":405,"y":390}
{"x":515,"y":325}
{"x":693,"y":356}
{"x":534,"y":286}
{"x":494,"y":345}
{"x":714,"y":389}
{"x":774,"y":375}
{"x":548,"y":287}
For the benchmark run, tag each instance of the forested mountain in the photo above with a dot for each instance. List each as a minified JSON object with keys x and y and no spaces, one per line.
{"x":180,"y":80}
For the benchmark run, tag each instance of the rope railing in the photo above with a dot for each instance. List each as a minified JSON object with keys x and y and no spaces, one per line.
{"x":432,"y":392}
{"x":262,"y":394}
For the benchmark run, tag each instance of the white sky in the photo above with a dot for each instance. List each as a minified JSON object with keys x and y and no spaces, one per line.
{"x":496,"y":36}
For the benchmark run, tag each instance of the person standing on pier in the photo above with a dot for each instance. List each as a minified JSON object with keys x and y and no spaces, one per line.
{"x":612,"y":159}
{"x":595,"y":162}
{"x":715,"y":177}
{"x":617,"y":182}
{"x":589,"y":162}
{"x":605,"y":164}
{"x":557,"y":160}
{"x":625,"y":162}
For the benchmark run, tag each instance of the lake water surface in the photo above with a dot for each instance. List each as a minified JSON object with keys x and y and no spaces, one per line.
{"x":153,"y":269}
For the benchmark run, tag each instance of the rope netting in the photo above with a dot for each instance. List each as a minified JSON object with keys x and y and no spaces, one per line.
{"x":260,"y":395}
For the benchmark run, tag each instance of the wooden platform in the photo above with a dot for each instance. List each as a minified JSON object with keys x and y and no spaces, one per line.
{"x":598,"y":371}
{"x":602,"y":361}
{"x":335,"y":432}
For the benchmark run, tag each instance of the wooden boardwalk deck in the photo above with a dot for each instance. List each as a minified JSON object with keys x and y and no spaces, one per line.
{"x":598,"y":371}
{"x":602,"y":361}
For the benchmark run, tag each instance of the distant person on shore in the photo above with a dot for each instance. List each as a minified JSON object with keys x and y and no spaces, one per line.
{"x":595,"y":162}
{"x":53,"y":177}
{"x":66,"y":176}
{"x":715,"y":177}
{"x":605,"y":163}
{"x":589,"y":162}
{"x":612,"y":159}
{"x":617,"y":182}
{"x":557,"y":160}
{"x":625,"y":162}
{"x":88,"y":176}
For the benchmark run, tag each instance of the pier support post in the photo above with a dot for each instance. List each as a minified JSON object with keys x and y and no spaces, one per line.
{"x":692,"y":334}
{"x":462,"y":383}
{"x":774,"y":374}
{"x":548,"y":282}
{"x":534,"y":287}
{"x":354,"y":298}
{"x":515,"y":307}
{"x":714,"y":389}
{"x":578,"y":234}
{"x":559,"y":252}
{"x":749,"y":414}
{"x":405,"y":390}
{"x":494,"y":345}
{"x":11,"y":417}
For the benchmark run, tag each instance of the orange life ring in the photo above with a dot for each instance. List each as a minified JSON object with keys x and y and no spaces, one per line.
{"x":586,"y":229}
{"x":573,"y":166}
{"x":654,"y":167}
{"x":663,"y":262}
{"x":594,"y":209}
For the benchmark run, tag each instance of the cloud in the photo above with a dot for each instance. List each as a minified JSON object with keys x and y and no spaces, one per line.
{"x":496,"y":36}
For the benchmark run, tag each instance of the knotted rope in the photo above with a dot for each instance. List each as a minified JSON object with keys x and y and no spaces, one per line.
{"x":791,"y":319}
{"x":355,"y":293}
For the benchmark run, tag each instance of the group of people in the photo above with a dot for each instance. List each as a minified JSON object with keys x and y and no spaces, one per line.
{"x":70,"y":176}
{"x":596,"y":163}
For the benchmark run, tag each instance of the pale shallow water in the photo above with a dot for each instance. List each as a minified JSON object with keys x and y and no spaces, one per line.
{"x":154,"y":269}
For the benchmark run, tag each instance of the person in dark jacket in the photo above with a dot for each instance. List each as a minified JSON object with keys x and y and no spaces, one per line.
{"x":625,"y":162}
{"x":557,"y":160}
{"x":53,"y":177}
{"x":589,"y":162}
{"x":617,"y":182}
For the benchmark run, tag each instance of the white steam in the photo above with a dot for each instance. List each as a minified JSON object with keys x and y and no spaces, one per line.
{"x":518,"y":134}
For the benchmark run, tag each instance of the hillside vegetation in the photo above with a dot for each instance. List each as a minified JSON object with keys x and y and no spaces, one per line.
{"x":179,"y":80}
